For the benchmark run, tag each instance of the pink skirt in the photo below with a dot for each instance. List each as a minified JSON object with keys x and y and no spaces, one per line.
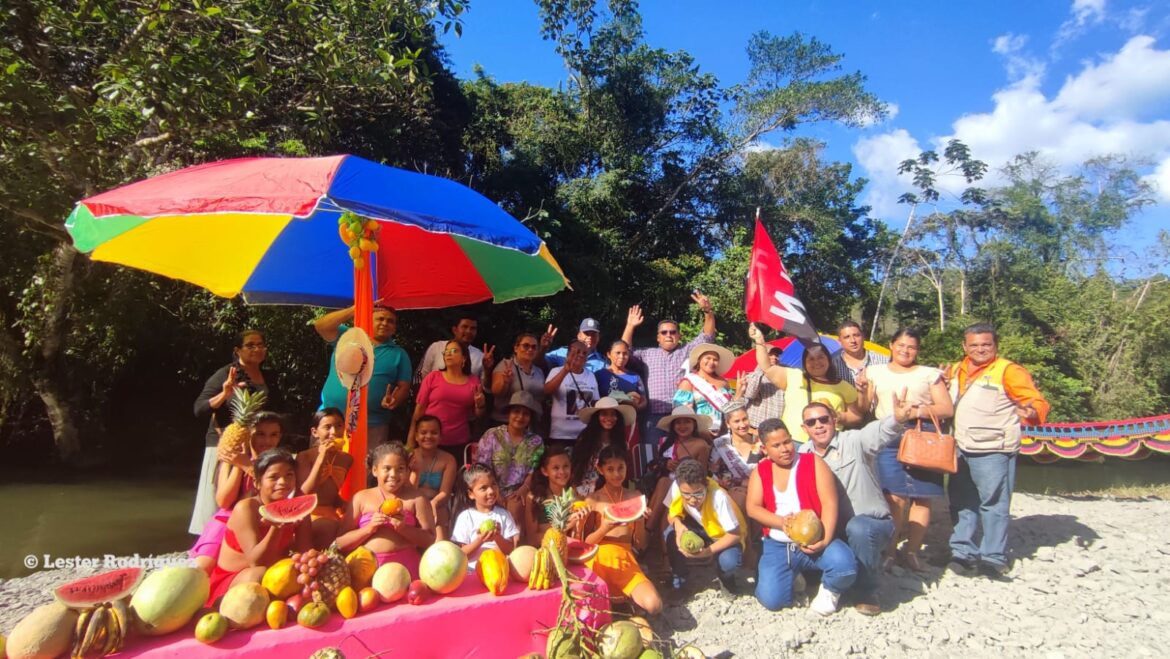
{"x":409,"y":558}
{"x":212,"y":536}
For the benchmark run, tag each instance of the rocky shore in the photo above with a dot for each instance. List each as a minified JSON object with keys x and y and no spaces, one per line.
{"x":1090,"y":576}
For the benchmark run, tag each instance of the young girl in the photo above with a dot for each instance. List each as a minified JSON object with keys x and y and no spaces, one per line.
{"x":480,"y":494}
{"x":686,"y":434}
{"x":605,"y":425}
{"x":321,"y":470}
{"x":735,"y":454}
{"x":251,"y":544}
{"x":550,"y":480}
{"x":513,"y":451}
{"x":614,"y":561}
{"x":233,"y":481}
{"x":433,"y":472}
{"x":398,"y":537}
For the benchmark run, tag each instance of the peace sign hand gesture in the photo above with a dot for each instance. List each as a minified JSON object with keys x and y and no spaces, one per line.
{"x":546,"y":339}
{"x":489,"y":359}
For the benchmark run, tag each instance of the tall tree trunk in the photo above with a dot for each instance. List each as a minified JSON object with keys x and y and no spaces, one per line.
{"x":50,"y":378}
{"x":962,"y":292}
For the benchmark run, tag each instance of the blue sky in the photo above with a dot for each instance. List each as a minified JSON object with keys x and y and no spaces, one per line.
{"x":1069,"y":78}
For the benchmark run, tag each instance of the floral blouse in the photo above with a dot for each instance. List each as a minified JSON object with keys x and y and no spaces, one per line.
{"x":511,"y":462}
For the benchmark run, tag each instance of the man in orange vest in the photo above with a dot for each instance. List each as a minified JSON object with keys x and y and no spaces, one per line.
{"x":993,"y":396}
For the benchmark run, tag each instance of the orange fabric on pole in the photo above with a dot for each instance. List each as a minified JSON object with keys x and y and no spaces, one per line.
{"x":363,"y":317}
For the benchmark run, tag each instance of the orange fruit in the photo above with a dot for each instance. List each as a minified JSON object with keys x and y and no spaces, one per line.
{"x":391,"y":506}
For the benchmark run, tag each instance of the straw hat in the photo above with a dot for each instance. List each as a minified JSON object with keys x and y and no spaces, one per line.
{"x":354,"y":358}
{"x":524,"y":399}
{"x":725,"y":356}
{"x":683,"y":412}
{"x":607,"y":403}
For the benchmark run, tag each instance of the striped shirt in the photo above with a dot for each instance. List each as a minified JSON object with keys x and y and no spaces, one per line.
{"x":664,"y":370}
{"x":847,"y":374}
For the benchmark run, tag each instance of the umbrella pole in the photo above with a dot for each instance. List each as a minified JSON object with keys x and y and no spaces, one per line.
{"x":363,"y":317}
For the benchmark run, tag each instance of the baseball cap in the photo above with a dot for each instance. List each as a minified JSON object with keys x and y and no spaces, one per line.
{"x":589,"y":325}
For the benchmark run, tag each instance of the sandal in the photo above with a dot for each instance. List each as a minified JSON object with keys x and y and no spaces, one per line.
{"x":910,"y":560}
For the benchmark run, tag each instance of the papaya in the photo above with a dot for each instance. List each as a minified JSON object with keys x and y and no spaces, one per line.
{"x":493,"y":570}
{"x":362,"y":566}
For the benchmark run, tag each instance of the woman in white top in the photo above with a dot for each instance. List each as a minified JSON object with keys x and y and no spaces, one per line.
{"x":908,"y":490}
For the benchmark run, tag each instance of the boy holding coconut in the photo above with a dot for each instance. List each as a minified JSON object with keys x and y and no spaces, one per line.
{"x":702,"y":522}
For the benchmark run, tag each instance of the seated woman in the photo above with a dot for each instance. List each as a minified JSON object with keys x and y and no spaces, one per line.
{"x":704,"y":389}
{"x":734,"y":456}
{"x":433,"y":472}
{"x":513,"y":451}
{"x":606,"y":424}
{"x":251,"y":544}
{"x":393,"y":519}
{"x":784,"y":484}
{"x":550,"y":480}
{"x":233,"y":481}
{"x":614,"y":561}
{"x":686,"y":434}
{"x":817,"y":379}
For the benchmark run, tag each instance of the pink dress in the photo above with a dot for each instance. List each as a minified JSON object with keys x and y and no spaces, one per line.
{"x":453,"y":404}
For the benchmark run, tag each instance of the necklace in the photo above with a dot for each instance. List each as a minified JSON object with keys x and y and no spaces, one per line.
{"x":612,"y":498}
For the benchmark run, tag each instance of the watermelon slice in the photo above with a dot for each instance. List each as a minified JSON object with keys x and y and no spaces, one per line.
{"x":580,"y":551}
{"x":627,"y":511}
{"x":106,"y":587}
{"x":289,"y":511}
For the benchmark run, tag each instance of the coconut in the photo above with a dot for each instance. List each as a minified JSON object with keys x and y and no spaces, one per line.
{"x":620,"y":640}
{"x":691,"y":542}
{"x":244,"y":605}
{"x":46,"y":632}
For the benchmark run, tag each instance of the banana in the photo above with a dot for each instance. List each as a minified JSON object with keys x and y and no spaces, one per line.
{"x":79,"y":631}
{"x":94,"y":631}
{"x":535,"y":569}
{"x":112,"y":629}
{"x":121,"y":611}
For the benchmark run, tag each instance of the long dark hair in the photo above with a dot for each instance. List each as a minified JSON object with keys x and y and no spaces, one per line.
{"x":541,"y":488}
{"x":589,"y":441}
{"x":831,"y":375}
{"x":612,"y":452}
{"x":472,"y":472}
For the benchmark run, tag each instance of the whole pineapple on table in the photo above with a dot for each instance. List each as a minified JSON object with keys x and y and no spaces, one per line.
{"x":244,"y":406}
{"x":558,"y":510}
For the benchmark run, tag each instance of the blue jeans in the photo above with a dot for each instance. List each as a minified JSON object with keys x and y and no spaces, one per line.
{"x":729,"y":558}
{"x":868,"y":537}
{"x":781,"y":559}
{"x":981,"y":493}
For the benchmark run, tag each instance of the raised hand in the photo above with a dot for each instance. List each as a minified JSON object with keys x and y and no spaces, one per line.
{"x":860,"y":381}
{"x":509,"y":373}
{"x":755,"y":334}
{"x":702,"y":301}
{"x":546,"y":339}
{"x":489,"y":358}
{"x":634,"y":316}
{"x":230,"y":383}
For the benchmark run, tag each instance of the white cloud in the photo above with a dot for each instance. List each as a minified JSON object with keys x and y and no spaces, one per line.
{"x":892,"y":110}
{"x":1117,"y":104}
{"x":1084,"y":13}
{"x":1019,"y":65}
{"x":1009,"y":44}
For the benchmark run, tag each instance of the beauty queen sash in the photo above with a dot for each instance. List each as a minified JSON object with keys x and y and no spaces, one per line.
{"x":715,"y":398}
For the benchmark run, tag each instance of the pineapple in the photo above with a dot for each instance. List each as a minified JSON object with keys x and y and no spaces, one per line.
{"x":558,"y":510}
{"x":333,"y":576}
{"x":244,"y":407}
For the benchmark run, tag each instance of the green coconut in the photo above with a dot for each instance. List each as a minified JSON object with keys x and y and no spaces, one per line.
{"x":650,"y":653}
{"x":327,"y":653}
{"x":563,"y":644}
{"x":46,"y":632}
{"x":691,"y":542}
{"x":689,"y":652}
{"x":620,"y":640}
{"x":167,"y":599}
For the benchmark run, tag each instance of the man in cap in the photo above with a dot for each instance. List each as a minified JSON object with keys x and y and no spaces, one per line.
{"x":389,"y":386}
{"x":589,"y":333}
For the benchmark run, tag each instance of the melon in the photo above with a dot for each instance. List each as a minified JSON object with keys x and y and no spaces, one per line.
{"x":580,"y":551}
{"x":289,"y":511}
{"x":46,"y":632}
{"x":391,"y":581}
{"x":627,"y":511}
{"x":244,"y":605}
{"x":620,"y":640}
{"x":805,"y":528}
{"x":168,"y":598}
{"x":106,"y":587}
{"x":443,"y":567}
{"x":281,"y":579}
{"x":520,"y":563}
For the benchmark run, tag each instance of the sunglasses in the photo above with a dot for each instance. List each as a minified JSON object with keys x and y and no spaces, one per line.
{"x":668,"y":332}
{"x":452,"y":351}
{"x":822,"y":420}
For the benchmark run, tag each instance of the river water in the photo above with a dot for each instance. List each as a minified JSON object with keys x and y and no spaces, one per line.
{"x":122,"y":517}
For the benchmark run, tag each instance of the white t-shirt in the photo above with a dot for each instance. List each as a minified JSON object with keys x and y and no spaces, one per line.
{"x":433,"y":359}
{"x":724,"y":511}
{"x":787,"y":502}
{"x":916,"y":383}
{"x":467,"y":528}
{"x":577,"y":391}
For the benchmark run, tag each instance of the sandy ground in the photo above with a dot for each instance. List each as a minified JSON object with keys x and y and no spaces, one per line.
{"x":1089,"y":577}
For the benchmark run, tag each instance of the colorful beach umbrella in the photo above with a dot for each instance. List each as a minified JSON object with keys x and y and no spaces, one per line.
{"x":792,"y":352}
{"x":267,"y":229}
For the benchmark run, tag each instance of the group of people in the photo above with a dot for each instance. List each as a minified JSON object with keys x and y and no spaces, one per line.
{"x":728,"y":463}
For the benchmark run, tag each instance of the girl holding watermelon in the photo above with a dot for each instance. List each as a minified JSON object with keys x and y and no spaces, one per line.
{"x":614,"y":561}
{"x":392,"y":519}
{"x":251,"y":544}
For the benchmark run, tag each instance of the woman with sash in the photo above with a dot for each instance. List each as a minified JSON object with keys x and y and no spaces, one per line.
{"x":703,"y":388}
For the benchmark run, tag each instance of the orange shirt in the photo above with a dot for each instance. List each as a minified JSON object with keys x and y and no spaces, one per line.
{"x":1017,"y":383}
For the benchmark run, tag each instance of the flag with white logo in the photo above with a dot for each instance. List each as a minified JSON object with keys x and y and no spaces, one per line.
{"x":770,"y":297}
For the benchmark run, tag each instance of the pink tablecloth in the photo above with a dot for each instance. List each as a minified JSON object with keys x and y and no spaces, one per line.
{"x":467,"y":623}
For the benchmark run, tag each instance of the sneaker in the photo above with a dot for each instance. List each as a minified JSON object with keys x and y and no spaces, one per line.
{"x":964,"y":567}
{"x":825,"y":603}
{"x":994,"y":571}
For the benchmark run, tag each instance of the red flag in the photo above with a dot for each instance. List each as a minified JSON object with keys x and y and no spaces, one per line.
{"x":770,"y":297}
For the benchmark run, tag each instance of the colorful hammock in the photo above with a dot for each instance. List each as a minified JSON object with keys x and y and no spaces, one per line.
{"x":1132,"y":439}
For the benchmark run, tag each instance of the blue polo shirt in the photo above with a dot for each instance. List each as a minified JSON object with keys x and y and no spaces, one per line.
{"x":594,"y":362}
{"x":391,"y":366}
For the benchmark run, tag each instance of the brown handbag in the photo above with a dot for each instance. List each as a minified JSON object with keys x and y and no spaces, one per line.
{"x":930,"y":450}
